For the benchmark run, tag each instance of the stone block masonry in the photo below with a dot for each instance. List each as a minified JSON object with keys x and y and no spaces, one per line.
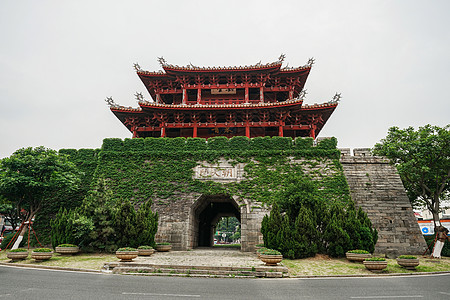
{"x":376,"y":187}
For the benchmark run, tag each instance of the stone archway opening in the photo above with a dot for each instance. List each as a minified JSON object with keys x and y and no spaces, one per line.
{"x":227,"y":233}
{"x":206,"y":212}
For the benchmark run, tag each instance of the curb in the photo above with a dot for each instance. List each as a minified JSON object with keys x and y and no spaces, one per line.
{"x":370,"y":275}
{"x":48,"y":267}
{"x":173,"y":275}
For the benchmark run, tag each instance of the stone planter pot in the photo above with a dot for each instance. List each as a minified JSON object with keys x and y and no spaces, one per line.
{"x":67,"y":250}
{"x":17,"y":255}
{"x":39,"y":256}
{"x":145,"y":252}
{"x":126,"y":256}
{"x":375,"y":266}
{"x":407,"y":263}
{"x":358,"y":257}
{"x":163,"y":248}
{"x":271,"y":260}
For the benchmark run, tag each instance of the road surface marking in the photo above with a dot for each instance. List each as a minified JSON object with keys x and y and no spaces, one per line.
{"x":384,"y":297}
{"x":168,"y":295}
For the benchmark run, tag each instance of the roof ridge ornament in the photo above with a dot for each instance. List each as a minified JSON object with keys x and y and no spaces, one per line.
{"x":302,"y":94}
{"x":110,"y":102}
{"x":336,"y":98}
{"x":162,"y":61}
{"x":311,"y":61}
{"x":137,"y":67}
{"x":139,"y":97}
{"x":282,"y":57}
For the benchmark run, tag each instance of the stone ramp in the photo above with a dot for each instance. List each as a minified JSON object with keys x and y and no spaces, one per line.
{"x":212,"y":262}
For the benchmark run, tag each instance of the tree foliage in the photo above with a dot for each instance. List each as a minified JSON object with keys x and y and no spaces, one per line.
{"x":103,"y":225}
{"x":422,"y":158}
{"x":30,"y":177}
{"x":307,"y":225}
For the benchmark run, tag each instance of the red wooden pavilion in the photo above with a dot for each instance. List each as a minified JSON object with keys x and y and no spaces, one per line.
{"x":257,"y":100}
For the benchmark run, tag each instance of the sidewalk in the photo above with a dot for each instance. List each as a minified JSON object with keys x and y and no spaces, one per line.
{"x":206,"y":262}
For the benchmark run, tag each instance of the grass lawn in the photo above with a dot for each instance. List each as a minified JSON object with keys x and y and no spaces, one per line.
{"x":92,"y":261}
{"x":323,"y":265}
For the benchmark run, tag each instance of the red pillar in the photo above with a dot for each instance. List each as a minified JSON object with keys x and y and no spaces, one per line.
{"x":199,"y":96}
{"x":163,"y":131}
{"x":261,"y":94}
{"x":312,"y":132}
{"x":247,"y":98}
{"x":280,"y":130}
{"x":184,"y":101}
{"x":194,"y":134}
{"x":247,"y":130}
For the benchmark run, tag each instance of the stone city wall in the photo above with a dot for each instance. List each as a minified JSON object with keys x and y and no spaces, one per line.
{"x":376,"y":187}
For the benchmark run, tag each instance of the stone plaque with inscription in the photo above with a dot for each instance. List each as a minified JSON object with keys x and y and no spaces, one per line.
{"x":222,"y":171}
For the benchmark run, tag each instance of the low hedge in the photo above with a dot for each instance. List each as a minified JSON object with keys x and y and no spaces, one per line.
{"x":19,"y":250}
{"x":375,"y":259}
{"x":124,"y":249}
{"x":145,"y":247}
{"x":42,"y":250}
{"x":358,"y":251}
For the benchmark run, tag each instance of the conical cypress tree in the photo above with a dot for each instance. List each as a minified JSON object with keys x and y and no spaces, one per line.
{"x":125,"y":225}
{"x":147,"y":225}
{"x":306,"y":234}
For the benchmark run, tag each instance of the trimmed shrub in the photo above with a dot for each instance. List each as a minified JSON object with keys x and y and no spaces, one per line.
{"x":126,"y":249}
{"x":303,"y":143}
{"x":42,"y":250}
{"x":220,"y":143}
{"x":112,"y":144}
{"x":241,"y":143}
{"x":328,"y":143}
{"x":136,"y":144}
{"x":261,"y":143}
{"x":281,"y":143}
{"x":19,"y":250}
{"x":195,"y":144}
{"x":358,"y":251}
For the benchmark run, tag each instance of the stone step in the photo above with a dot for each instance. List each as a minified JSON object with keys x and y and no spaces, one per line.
{"x":196,"y":271}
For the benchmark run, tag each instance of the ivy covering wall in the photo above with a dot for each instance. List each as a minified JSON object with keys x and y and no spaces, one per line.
{"x":86,"y":161}
{"x":162,"y":169}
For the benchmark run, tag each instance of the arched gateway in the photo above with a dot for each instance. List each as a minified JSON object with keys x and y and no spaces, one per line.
{"x":206,"y":212}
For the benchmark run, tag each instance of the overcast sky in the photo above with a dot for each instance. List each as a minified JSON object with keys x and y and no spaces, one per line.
{"x":59,"y":60}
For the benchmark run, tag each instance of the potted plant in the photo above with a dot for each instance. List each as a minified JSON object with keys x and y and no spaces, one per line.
{"x":67,"y":249}
{"x":258,"y":252}
{"x":409,"y":262}
{"x":163,"y":247}
{"x":375,"y":264}
{"x":40,"y":254}
{"x":271,"y":257}
{"x":17,"y":254}
{"x":357,"y":255}
{"x":145,"y":250}
{"x":258,"y":246}
{"x":126,"y":254}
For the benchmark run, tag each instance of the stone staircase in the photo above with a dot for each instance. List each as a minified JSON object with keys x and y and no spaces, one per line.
{"x":145,"y":269}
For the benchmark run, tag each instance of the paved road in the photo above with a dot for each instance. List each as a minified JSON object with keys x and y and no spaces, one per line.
{"x":17,"y":283}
